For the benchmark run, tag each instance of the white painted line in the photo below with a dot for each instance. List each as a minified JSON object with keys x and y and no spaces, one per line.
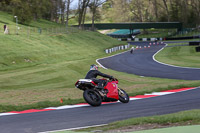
{"x":97,"y":60}
{"x":74,"y":128}
{"x":169,"y":64}
{"x":76,"y":106}
{"x":134,"y":98}
{"x":67,"y":107}
{"x":100,"y":64}
{"x":160,"y":93}
{"x":3,"y":114}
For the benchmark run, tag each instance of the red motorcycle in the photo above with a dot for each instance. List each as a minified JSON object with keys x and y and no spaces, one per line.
{"x":95,"y":97}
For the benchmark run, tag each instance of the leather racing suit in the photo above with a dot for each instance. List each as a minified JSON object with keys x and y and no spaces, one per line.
{"x":92,"y":74}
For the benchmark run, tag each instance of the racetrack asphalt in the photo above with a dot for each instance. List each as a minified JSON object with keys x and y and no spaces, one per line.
{"x":141,"y":63}
{"x":87,"y":116}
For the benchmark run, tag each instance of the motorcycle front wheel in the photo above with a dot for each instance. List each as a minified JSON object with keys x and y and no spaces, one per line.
{"x":92,"y":97}
{"x":123,"y":96}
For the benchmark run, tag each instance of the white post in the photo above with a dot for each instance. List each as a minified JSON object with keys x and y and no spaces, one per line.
{"x":16,"y":24}
{"x":137,"y":39}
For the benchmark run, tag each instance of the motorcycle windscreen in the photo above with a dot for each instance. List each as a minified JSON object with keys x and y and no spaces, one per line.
{"x":112,"y":90}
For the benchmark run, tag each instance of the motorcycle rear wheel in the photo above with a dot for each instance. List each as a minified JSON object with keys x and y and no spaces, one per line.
{"x":92,"y":97}
{"x":123,"y":96}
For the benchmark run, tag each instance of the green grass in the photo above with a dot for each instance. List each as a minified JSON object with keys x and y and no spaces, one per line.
{"x":178,"y":129}
{"x":156,"y":33}
{"x":191,"y":33}
{"x":164,"y":129}
{"x":191,"y":117}
{"x":42,"y":68}
{"x":185,"y":56}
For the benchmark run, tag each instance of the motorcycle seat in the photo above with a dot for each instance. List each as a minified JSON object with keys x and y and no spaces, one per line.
{"x":85,"y":80}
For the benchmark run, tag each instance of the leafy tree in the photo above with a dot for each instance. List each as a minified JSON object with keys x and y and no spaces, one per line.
{"x":82,"y":7}
{"x":166,"y":7}
{"x":5,"y":5}
{"x":94,"y":4}
{"x":39,"y":8}
{"x":21,"y":9}
{"x":68,"y":3}
{"x":120,"y":12}
{"x":137,"y":9}
{"x":107,"y":10}
{"x":194,"y":13}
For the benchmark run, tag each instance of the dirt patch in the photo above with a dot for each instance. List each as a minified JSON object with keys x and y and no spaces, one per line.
{"x":104,"y":31}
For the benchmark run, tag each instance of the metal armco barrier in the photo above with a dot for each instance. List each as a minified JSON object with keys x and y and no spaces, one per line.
{"x":198,"y":49}
{"x":194,"y":43}
{"x":140,"y":39}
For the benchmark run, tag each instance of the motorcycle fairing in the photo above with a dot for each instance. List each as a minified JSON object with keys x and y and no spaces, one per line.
{"x":113,"y":90}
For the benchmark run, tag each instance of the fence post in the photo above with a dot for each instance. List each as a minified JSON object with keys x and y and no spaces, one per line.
{"x":137,"y":39}
{"x":106,"y":51}
{"x":28,"y":32}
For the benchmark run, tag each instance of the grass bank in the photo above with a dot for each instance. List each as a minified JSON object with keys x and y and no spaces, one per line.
{"x":185,"y":56}
{"x":191,"y":117}
{"x":156,"y":33}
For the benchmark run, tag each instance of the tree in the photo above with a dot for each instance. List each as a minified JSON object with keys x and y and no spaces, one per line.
{"x":194,"y":12}
{"x":137,"y":8}
{"x":94,"y":4}
{"x":120,"y":11}
{"x":21,"y":9}
{"x":46,"y":9}
{"x":107,"y":10}
{"x":82,"y":7}
{"x":167,"y":9}
{"x":39,"y":8}
{"x":5,"y":5}
{"x":68,"y":2}
{"x":54,"y":10}
{"x":62,"y":8}
{"x":156,"y":9}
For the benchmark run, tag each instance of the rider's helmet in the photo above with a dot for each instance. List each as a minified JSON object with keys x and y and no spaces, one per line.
{"x":93,"y":67}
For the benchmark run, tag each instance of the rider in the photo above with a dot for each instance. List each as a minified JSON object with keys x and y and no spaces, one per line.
{"x":132,"y":50}
{"x":93,"y":73}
